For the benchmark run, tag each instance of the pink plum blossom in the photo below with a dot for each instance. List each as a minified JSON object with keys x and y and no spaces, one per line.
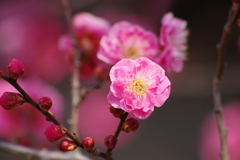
{"x":137,"y":86}
{"x":209,"y":136}
{"x":25,"y":125}
{"x":89,"y":29}
{"x":173,"y":39}
{"x":126,"y":40}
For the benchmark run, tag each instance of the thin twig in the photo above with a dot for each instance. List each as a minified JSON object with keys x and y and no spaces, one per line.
{"x":25,"y":153}
{"x":87,"y":90}
{"x":233,"y":15}
{"x":116,"y":134}
{"x":75,"y":81}
{"x":50,"y":117}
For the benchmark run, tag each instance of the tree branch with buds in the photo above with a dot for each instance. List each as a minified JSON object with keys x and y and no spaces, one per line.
{"x":217,"y":84}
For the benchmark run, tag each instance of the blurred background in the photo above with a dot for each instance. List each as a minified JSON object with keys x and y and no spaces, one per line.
{"x":29,"y":31}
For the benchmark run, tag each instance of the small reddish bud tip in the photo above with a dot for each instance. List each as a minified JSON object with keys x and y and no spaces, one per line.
{"x":11,"y":100}
{"x":15,"y":69}
{"x":100,"y":72}
{"x":66,"y":144}
{"x":130,"y":124}
{"x":116,"y":112}
{"x":45,"y":103}
{"x":1,"y":73}
{"x":110,"y":141}
{"x":88,"y":143}
{"x":55,"y":132}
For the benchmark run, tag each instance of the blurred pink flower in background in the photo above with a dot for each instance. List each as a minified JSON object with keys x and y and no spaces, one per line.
{"x":96,"y":121}
{"x":209,"y":148}
{"x":173,"y":39}
{"x":89,"y":29}
{"x":137,"y":86}
{"x":24,"y":124}
{"x":29,"y":31}
{"x":126,"y":40}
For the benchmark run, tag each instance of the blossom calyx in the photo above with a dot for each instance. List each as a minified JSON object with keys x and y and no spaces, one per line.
{"x":11,"y":100}
{"x":55,"y":132}
{"x":45,"y":103}
{"x":130,"y":124}
{"x":118,"y":113}
{"x":88,"y":143}
{"x":110,"y":141}
{"x":66,"y":144}
{"x":16,"y":69}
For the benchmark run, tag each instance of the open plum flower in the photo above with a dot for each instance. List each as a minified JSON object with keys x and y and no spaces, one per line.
{"x":137,"y":86}
{"x":173,"y":39}
{"x":89,"y":29}
{"x":125,"y":40}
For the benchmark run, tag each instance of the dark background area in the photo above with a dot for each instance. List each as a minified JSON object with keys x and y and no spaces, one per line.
{"x":172,"y":131}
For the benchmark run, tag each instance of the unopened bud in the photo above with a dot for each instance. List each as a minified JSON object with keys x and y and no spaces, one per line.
{"x":55,"y":132}
{"x":1,"y":73}
{"x":15,"y":69}
{"x":110,"y":141}
{"x":66,"y":144}
{"x":88,"y":143}
{"x":130,"y":124}
{"x":101,"y":72}
{"x":11,"y":100}
{"x":45,"y":103}
{"x":116,"y":112}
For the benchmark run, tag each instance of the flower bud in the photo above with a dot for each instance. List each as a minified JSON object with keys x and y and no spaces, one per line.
{"x":45,"y":103}
{"x":1,"y":73}
{"x":66,"y":144}
{"x":54,"y":132}
{"x":15,"y":69}
{"x":130,"y":124}
{"x":11,"y":100}
{"x":101,"y":72}
{"x":110,"y":141}
{"x":88,"y":143}
{"x":116,"y":112}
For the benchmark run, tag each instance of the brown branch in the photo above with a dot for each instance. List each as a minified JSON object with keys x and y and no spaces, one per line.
{"x":75,"y":81}
{"x":87,"y":90}
{"x":116,"y":134}
{"x":221,"y":47}
{"x":50,"y":117}
{"x":25,"y":153}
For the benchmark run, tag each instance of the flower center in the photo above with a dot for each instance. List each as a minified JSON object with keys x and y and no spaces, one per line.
{"x":139,"y":87}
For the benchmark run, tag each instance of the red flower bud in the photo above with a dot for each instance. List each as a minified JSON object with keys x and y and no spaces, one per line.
{"x":54,"y":132}
{"x":130,"y":124}
{"x":45,"y":103}
{"x":66,"y":144}
{"x":116,"y":112}
{"x":15,"y":69}
{"x":11,"y":100}
{"x":88,"y":143}
{"x":1,"y":73}
{"x":110,"y":141}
